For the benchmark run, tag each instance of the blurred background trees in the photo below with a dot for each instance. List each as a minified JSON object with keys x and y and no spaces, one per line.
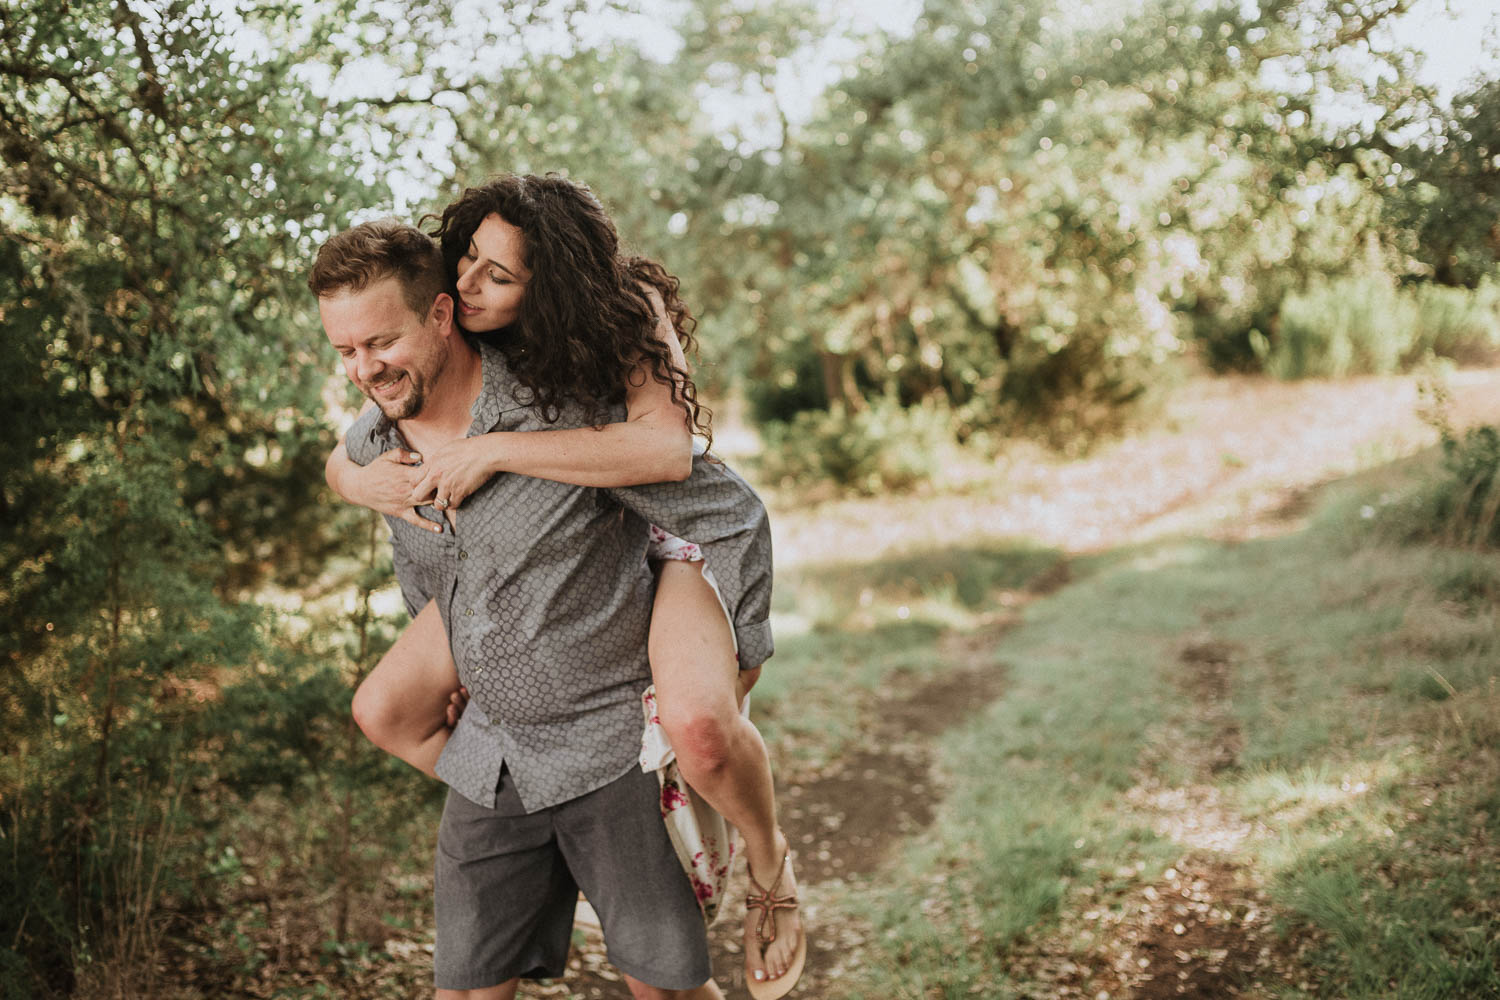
{"x":1014,"y":219}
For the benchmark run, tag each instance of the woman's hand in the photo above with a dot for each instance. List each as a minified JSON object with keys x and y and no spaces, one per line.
{"x":386,"y":484}
{"x":744,"y":680}
{"x":457,"y":702}
{"x":451,"y":473}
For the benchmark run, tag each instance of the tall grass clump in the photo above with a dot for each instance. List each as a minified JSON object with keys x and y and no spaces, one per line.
{"x":1458,"y":500}
{"x":1367,"y":325}
{"x":1460,"y":323}
{"x":1467,"y":500}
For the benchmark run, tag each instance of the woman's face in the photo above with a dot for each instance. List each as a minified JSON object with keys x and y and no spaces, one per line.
{"x":491,"y":278}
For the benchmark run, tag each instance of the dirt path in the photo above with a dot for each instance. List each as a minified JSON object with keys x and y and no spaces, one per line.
{"x":1235,"y":458}
{"x":1225,"y":450}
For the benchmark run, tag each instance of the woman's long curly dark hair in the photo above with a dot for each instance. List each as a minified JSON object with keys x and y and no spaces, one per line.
{"x":585,"y":325}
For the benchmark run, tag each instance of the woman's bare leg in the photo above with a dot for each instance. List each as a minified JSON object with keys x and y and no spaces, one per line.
{"x":720,"y":753}
{"x":403,"y":705}
{"x":641,"y":991}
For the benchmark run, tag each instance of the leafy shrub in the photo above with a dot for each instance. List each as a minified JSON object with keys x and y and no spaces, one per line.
{"x":1469,"y":503}
{"x":1078,"y":395}
{"x":1459,"y":323}
{"x":1473,"y":584}
{"x":1366,"y":325}
{"x":881,"y":448}
{"x":1461,"y":506}
{"x":792,"y":385}
{"x":1354,"y":326}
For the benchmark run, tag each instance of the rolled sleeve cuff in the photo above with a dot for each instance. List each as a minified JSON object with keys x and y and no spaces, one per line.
{"x":754,"y":643}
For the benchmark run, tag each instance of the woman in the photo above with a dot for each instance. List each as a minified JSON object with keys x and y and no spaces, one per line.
{"x":538,"y":273}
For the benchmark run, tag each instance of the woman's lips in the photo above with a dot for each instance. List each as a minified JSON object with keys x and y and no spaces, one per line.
{"x":468,"y":310}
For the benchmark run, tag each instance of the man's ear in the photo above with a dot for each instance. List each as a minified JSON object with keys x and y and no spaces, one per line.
{"x":440,"y":316}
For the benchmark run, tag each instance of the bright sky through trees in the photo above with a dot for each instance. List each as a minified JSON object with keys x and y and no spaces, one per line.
{"x":1458,"y":40}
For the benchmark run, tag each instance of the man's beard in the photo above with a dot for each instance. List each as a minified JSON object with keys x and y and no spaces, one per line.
{"x":404,"y":407}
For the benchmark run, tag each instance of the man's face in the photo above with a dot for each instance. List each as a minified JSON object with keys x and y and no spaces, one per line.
{"x":394,"y":355}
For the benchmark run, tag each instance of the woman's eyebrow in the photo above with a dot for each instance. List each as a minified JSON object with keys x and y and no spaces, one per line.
{"x":474,"y":249}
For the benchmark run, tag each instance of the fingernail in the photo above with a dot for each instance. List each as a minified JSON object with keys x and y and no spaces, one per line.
{"x":416,"y":456}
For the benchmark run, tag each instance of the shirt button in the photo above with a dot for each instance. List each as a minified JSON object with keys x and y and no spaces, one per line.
{"x":463,"y":555}
{"x":469,"y":612}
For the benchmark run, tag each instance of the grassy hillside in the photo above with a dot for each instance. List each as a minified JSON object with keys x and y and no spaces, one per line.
{"x":1264,"y":763}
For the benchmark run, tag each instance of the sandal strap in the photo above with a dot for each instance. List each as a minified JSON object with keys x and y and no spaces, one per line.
{"x":768,"y":902}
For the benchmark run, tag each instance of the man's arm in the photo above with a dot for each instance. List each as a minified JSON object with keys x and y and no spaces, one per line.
{"x":719,"y":511}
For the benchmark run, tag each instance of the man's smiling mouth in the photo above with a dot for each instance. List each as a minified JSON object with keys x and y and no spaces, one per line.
{"x":385,"y":388}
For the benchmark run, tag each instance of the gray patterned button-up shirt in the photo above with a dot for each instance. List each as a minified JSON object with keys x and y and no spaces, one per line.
{"x":546,"y":595}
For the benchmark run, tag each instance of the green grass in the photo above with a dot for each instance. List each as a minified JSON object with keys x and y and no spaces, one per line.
{"x":1362,"y":694}
{"x":845,"y":630}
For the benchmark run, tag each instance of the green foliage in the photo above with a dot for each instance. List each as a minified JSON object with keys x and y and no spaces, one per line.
{"x":1468,"y":501}
{"x":1448,"y":200}
{"x":878,"y":449}
{"x":1016,"y":211}
{"x":1460,"y":324}
{"x":161,"y":193}
{"x":1367,"y":325}
{"x":1353,"y":326}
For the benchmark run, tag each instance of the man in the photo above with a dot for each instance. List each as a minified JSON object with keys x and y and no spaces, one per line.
{"x":546,"y":596}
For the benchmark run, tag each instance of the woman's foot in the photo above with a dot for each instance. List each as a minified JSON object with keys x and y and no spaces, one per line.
{"x":774,"y":942}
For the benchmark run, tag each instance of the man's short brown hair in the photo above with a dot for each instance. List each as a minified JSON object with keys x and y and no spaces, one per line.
{"x":372,"y":251}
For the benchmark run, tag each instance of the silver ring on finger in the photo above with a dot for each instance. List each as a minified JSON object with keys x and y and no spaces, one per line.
{"x":441,"y":503}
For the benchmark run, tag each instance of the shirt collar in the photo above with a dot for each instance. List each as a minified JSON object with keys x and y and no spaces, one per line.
{"x":495,"y":394}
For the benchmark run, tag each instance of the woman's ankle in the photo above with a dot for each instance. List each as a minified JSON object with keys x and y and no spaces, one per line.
{"x":766,"y":857}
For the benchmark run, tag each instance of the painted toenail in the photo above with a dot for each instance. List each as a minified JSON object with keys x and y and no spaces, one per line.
{"x":759,"y":975}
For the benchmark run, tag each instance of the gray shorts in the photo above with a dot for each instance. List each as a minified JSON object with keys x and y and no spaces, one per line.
{"x":507,"y":882}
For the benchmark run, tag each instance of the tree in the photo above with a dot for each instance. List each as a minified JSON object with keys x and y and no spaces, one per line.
{"x":160,"y":196}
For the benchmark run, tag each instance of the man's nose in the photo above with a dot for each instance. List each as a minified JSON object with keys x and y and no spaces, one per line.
{"x":366,"y":366}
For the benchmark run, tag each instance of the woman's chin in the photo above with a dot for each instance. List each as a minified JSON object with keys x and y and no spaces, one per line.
{"x":477,"y":324}
{"x":473,"y":324}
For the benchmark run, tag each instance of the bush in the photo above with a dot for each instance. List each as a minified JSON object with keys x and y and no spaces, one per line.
{"x":1353,"y":326}
{"x":1469,"y":501}
{"x":882,"y":448}
{"x":1366,"y":325}
{"x":1460,"y":323}
{"x":1460,"y":506}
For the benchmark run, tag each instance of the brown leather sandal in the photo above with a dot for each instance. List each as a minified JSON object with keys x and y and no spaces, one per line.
{"x":768,"y":903}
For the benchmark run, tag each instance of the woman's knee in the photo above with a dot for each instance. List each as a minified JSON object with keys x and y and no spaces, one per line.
{"x":377,"y":713}
{"x":702,"y":735}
